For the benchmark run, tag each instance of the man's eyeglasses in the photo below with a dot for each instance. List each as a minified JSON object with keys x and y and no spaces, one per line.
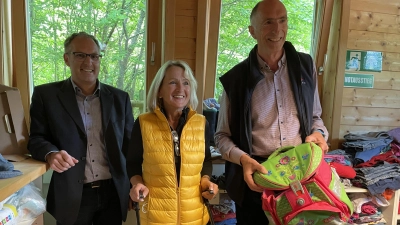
{"x":80,"y":56}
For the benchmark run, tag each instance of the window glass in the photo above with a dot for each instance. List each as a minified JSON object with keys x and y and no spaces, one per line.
{"x":235,"y":41}
{"x":118,"y":25}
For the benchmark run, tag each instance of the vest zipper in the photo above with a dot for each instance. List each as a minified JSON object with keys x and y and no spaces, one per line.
{"x":179,"y":206}
{"x":178,"y":196}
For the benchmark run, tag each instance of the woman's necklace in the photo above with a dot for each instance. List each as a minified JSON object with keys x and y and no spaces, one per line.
{"x":175,"y":138}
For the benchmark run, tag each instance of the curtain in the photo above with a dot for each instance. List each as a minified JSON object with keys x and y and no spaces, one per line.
{"x":5,"y":43}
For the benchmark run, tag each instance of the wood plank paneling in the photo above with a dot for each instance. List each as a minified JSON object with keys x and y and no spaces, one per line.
{"x":391,"y":62}
{"x":186,"y":8}
{"x":373,"y":41}
{"x":369,"y":116}
{"x":185,"y":48}
{"x":381,"y":6}
{"x":371,"y":98}
{"x":186,"y":26}
{"x":169,"y":30}
{"x":376,"y":22}
{"x":387,"y":80}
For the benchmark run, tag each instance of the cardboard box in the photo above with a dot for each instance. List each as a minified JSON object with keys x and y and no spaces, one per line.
{"x":13,"y":128}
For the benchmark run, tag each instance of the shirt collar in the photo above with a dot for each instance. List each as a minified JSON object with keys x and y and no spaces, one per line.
{"x":264,"y":66}
{"x":78,"y":90}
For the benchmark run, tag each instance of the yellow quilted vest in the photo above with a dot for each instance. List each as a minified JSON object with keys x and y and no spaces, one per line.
{"x":167,"y":203}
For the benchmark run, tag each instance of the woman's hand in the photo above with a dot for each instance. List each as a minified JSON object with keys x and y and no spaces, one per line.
{"x":138,"y":192}
{"x":209,"y":189}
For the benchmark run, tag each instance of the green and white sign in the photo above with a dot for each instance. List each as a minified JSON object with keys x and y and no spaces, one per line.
{"x":363,"y":61}
{"x":358,"y":80}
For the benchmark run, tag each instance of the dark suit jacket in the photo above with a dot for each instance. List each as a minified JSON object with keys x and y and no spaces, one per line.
{"x":56,"y":124}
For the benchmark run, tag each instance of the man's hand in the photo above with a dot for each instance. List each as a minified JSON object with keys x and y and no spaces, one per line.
{"x":319,"y":140}
{"x":61,"y":161}
{"x":250,"y":166}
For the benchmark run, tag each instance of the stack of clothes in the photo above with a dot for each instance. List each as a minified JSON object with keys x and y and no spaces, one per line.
{"x":375,"y":166}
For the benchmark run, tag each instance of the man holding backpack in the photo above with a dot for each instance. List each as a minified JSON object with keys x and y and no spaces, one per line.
{"x":270,"y":100}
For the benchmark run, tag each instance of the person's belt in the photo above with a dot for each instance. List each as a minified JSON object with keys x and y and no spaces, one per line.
{"x":97,"y":183}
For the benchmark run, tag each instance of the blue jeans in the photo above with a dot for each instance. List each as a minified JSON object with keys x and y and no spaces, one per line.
{"x":99,"y":206}
{"x":368,"y":141}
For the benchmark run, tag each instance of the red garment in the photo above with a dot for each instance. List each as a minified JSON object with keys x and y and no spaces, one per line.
{"x":220,"y":216}
{"x":343,"y":170}
{"x":387,"y":157}
{"x":368,"y":209}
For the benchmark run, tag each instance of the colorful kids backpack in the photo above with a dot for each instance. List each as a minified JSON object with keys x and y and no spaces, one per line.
{"x":301,"y":188}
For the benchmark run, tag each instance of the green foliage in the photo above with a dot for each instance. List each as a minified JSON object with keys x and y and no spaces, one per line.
{"x":118,"y":24}
{"x":235,"y":41}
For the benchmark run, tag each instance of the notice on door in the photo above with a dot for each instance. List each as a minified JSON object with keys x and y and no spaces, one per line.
{"x":358,"y":80}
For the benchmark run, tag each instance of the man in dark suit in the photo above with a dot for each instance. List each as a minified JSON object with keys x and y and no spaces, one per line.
{"x":82,"y":127}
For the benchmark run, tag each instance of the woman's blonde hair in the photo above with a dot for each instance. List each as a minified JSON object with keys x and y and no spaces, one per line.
{"x":152,"y":97}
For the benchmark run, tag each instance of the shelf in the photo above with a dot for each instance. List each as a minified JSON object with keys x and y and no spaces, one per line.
{"x":218,"y":161}
{"x":31,"y":170}
{"x":355,"y":190}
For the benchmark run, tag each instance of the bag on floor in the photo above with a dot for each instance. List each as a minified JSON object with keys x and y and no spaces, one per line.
{"x":301,"y":188}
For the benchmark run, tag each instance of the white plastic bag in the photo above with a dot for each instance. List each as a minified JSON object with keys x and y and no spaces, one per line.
{"x":29,"y":203}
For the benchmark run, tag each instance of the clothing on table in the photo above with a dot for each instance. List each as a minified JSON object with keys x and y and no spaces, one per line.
{"x":7,"y":169}
{"x":395,"y":134}
{"x":368,"y":141}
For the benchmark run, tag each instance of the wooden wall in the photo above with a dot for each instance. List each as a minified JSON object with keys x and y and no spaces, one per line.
{"x":372,"y":25}
{"x":189,"y":35}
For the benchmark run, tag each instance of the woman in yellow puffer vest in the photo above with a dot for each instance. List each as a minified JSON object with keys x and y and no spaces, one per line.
{"x":169,"y":159}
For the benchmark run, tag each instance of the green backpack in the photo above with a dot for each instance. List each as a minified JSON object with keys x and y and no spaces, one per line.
{"x":301,"y":188}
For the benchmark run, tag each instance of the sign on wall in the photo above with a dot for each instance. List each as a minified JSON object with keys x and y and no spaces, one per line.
{"x":358,"y":80}
{"x":363,"y":61}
